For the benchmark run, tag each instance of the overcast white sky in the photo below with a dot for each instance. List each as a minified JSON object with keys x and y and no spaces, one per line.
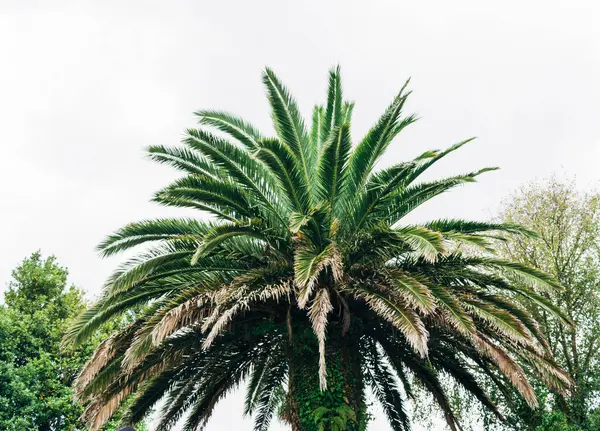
{"x":85,"y":86}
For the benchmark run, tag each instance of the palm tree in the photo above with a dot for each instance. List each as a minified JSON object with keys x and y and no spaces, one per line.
{"x":306,"y":284}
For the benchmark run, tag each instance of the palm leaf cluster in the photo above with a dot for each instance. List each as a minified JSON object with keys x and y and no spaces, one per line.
{"x":305,"y":230}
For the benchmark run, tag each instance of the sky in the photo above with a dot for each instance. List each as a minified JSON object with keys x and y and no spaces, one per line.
{"x":85,"y":86}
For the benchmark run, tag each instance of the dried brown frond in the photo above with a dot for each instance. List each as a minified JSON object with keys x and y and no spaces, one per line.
{"x":242,"y":302}
{"x":509,"y":368}
{"x":103,"y":354}
{"x":189,"y":313}
{"x":329,"y":258}
{"x":104,"y":406}
{"x":317,"y":313}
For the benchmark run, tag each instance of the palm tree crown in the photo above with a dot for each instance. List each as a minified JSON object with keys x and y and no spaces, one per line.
{"x":307,"y":284}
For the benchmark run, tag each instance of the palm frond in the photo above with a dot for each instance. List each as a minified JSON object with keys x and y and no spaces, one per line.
{"x":424,"y":373}
{"x":221,"y":233}
{"x":239,"y":129}
{"x":317,"y":314}
{"x":347,"y":112}
{"x":470,"y":227}
{"x":509,"y":368}
{"x":240,"y":302}
{"x":144,"y":231}
{"x":308,"y":264}
{"x":424,"y":242}
{"x":384,"y":386}
{"x":413,"y":290}
{"x":403,"y":202}
{"x":334,"y":109}
{"x":332,"y":161}
{"x":185,"y":160}
{"x":374,"y":144}
{"x":447,"y":360}
{"x":269,"y":394}
{"x":289,"y":124}
{"x":240,"y":166}
{"x":440,"y":154}
{"x":400,"y":316}
{"x":318,"y":117}
{"x":282,"y":162}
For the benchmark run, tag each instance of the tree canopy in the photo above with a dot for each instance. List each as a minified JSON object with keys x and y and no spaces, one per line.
{"x":307,"y":282}
{"x":35,"y":377}
{"x":568,"y":247}
{"x":36,"y":374}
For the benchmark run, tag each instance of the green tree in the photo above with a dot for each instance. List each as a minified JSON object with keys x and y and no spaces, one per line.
{"x":35,"y":377}
{"x":307,"y":283}
{"x":568,"y":247}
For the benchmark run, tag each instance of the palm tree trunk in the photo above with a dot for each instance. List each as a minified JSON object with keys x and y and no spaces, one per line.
{"x":344,"y":382}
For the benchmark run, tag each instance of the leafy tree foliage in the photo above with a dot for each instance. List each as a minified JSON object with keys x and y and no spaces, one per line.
{"x":307,"y":283}
{"x":568,"y":247}
{"x":337,"y":419}
{"x":35,"y":377}
{"x":35,"y":373}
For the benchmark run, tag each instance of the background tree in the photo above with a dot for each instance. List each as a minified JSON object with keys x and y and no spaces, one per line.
{"x":568,"y":247}
{"x":35,"y":373}
{"x":35,"y":377}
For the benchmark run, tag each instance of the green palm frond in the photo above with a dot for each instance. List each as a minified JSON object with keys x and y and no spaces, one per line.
{"x":439,"y":155}
{"x":239,"y":129}
{"x":384,"y":386}
{"x":332,"y":162}
{"x":472,"y":227}
{"x":425,"y":374}
{"x":222,"y":233}
{"x":424,"y":242}
{"x":318,"y":118}
{"x":347,"y":112}
{"x":290,"y":125}
{"x":374,"y":144}
{"x":446,"y":359}
{"x":401,"y":203}
{"x":144,"y":231}
{"x":240,"y":166}
{"x":259,"y":370}
{"x":334,"y":109}
{"x":499,"y":319}
{"x":185,"y":160}
{"x":268,"y":394}
{"x":282,"y":162}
